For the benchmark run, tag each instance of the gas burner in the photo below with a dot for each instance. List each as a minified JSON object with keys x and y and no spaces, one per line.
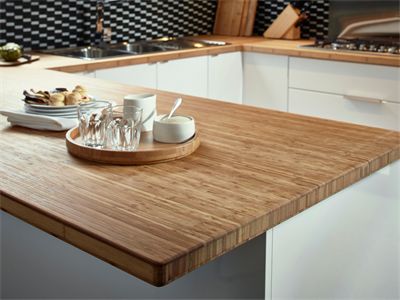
{"x":370,"y":46}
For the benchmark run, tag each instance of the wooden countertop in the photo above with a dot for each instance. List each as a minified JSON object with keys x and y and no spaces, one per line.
{"x":254,"y":169}
{"x":247,"y":44}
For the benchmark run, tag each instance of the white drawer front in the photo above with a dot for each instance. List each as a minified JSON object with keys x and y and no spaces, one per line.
{"x":360,"y":80}
{"x":337,"y":107}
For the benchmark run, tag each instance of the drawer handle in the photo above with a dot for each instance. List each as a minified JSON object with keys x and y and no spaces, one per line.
{"x":364,"y":99}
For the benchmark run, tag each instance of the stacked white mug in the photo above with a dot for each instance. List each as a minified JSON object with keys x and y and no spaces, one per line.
{"x":147,"y":102}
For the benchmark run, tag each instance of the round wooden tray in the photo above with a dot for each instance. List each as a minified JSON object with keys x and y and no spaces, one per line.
{"x":149,"y":151}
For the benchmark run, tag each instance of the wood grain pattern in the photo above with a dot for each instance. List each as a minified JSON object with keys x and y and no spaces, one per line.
{"x":255,"y":169}
{"x":283,"y":23}
{"x":247,"y":25}
{"x":293,"y":33}
{"x":235,"y":17}
{"x":228,"y":17}
{"x":149,"y":151}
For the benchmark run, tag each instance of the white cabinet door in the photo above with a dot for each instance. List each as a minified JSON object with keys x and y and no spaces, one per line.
{"x":340,"y":108}
{"x":265,"y":80}
{"x":225,"y":77}
{"x":345,"y":247}
{"x":138,"y":75}
{"x":186,"y":76}
{"x":343,"y":78}
{"x":86,"y":73}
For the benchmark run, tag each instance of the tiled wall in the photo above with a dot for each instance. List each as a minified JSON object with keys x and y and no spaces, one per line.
{"x":41,"y":24}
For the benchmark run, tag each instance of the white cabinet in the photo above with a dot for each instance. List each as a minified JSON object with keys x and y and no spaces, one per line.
{"x":340,"y":108}
{"x":265,"y":80}
{"x":186,"y":76}
{"x":356,"y":93}
{"x":87,"y":74}
{"x":350,"y":92}
{"x":345,"y":247}
{"x":225,"y":77}
{"x":138,"y":75}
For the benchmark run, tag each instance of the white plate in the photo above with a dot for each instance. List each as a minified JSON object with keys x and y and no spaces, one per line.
{"x":28,"y":109}
{"x":49,"y":107}
{"x":50,"y":110}
{"x":51,"y":113}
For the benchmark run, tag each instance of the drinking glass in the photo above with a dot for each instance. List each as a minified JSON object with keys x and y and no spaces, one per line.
{"x":93,"y":121}
{"x":124,"y":129}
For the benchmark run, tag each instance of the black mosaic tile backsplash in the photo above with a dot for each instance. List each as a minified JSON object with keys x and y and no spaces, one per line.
{"x":146,"y":19}
{"x":41,"y":24}
{"x":45,"y":24}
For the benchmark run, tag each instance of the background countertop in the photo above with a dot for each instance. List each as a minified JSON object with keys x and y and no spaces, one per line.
{"x":250,"y":44}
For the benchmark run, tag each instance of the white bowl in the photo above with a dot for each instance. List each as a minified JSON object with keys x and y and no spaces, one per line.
{"x":177,"y":129}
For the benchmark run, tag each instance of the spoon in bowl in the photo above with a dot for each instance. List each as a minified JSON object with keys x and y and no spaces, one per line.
{"x":177,"y":103}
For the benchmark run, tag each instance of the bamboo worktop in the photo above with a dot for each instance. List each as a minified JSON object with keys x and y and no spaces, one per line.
{"x":254,"y":169}
{"x":245,"y":44}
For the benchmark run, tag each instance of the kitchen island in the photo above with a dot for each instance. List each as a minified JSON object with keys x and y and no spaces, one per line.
{"x":255,"y":169}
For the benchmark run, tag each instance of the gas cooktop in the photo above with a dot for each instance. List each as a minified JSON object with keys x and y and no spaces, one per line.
{"x":378,"y":46}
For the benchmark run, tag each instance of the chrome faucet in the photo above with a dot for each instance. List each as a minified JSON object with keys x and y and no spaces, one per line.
{"x":99,"y":39}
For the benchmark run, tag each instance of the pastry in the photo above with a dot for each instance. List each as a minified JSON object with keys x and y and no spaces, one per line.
{"x":73,"y":98}
{"x":81,"y":90}
{"x":57,"y":99}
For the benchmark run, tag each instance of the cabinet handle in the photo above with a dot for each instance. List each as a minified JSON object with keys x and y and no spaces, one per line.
{"x":164,"y":61}
{"x":364,"y":99}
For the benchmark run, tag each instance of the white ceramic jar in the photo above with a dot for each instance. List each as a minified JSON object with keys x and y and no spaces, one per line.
{"x":177,"y":129}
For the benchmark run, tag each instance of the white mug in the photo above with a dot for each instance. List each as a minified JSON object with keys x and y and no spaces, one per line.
{"x":148,"y":103}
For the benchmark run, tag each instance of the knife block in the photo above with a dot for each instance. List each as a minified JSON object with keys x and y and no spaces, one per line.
{"x":284,"y":25}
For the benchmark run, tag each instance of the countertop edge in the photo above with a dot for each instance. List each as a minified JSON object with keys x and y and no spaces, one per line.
{"x":139,"y":267}
{"x":263,"y":223}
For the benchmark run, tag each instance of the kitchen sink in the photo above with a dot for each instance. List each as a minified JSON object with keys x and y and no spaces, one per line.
{"x":88,"y":52}
{"x":136,"y":48}
{"x":173,"y":44}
